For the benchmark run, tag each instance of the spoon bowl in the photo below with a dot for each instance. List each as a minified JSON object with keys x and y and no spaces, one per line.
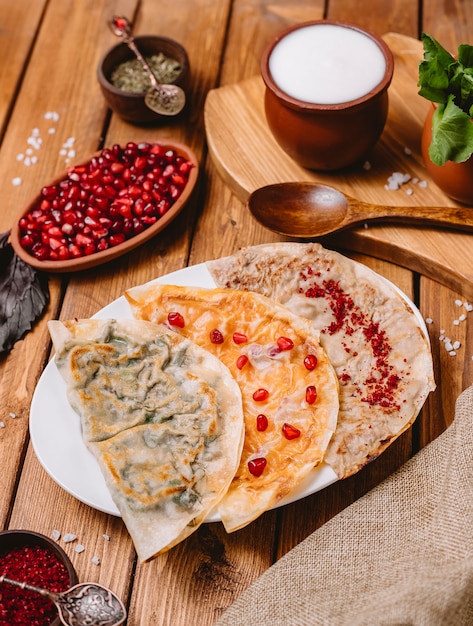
{"x":306,"y":210}
{"x":84,"y":604}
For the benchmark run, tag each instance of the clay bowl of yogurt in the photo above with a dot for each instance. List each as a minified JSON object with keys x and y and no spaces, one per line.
{"x":326,"y":92}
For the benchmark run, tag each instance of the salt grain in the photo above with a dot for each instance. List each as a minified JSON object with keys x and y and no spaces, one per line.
{"x":2,"y":424}
{"x":452,"y":353}
{"x":429,"y":320}
{"x":106,"y":537}
{"x":367,"y":166}
{"x":407,"y":151}
{"x":68,"y":537}
{"x":456,"y":345}
{"x":12,"y":415}
{"x":95,"y":560}
{"x":458,"y":302}
{"x":16,"y":182}
{"x":55,"y":535}
{"x":79,"y":548}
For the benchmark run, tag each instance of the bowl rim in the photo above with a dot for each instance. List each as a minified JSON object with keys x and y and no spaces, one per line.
{"x":32,"y":537}
{"x":308,"y":107}
{"x":104,"y":256}
{"x":104,"y":81}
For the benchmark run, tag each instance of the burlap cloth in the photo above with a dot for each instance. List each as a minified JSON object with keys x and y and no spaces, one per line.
{"x":402,"y":554}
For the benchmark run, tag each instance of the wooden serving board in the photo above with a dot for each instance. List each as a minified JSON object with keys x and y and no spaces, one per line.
{"x":247,"y":157}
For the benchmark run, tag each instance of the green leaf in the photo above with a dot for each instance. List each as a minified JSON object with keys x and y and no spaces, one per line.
{"x":452,"y":134}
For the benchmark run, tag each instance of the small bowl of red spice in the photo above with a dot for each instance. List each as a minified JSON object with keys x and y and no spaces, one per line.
{"x":31,"y":557}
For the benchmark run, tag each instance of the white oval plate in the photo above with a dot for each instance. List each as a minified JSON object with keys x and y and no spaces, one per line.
{"x":56,"y":433}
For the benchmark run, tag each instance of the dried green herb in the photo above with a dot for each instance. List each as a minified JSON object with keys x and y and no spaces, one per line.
{"x":130,"y":75}
{"x":24,"y":295}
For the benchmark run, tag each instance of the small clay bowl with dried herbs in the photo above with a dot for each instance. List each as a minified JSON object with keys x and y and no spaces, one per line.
{"x":124,"y":82}
{"x":31,"y":557}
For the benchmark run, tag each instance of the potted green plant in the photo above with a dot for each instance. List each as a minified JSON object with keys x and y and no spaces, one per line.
{"x":447,"y":138}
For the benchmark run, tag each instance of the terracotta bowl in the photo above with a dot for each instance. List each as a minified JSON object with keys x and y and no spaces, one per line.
{"x":10,"y":539}
{"x":455,"y":179}
{"x":326,"y":136}
{"x":98,"y":258}
{"x":131,"y":106}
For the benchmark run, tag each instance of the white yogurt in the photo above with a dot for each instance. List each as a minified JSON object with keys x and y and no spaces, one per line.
{"x":326,"y":64}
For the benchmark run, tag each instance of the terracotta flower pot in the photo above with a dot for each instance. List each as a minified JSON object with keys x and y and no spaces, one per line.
{"x":455,"y":179}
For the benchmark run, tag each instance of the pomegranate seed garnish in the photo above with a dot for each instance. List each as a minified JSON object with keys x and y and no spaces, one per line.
{"x":241,"y":361}
{"x":239,"y":338}
{"x":310,"y":362}
{"x":290,"y":432}
{"x":216,"y":336}
{"x":311,"y":394}
{"x":120,"y":185}
{"x":261,"y":422}
{"x":260,"y":395}
{"x":176,"y":319}
{"x":256,"y":466}
{"x":284,"y":343}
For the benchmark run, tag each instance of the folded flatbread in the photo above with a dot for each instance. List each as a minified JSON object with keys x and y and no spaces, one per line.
{"x":372,"y":336}
{"x":162,"y":416}
{"x":289,"y":388}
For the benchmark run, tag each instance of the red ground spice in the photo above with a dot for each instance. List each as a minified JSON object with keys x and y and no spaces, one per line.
{"x":382,"y":384}
{"x":37,"y":566}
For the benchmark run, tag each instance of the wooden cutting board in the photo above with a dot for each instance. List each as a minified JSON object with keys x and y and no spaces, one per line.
{"x":247,"y":157}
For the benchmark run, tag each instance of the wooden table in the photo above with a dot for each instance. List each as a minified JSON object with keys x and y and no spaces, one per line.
{"x":49,"y":51}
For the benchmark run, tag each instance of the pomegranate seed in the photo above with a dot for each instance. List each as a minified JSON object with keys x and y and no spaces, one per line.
{"x":241,"y":361}
{"x":122,"y":191}
{"x":216,"y":336}
{"x":256,"y":466}
{"x":176,"y":319}
{"x":290,"y":432}
{"x":311,"y":394}
{"x":310,"y":362}
{"x":284,"y":343}
{"x":260,"y":395}
{"x":239,"y":338}
{"x":261,"y":422}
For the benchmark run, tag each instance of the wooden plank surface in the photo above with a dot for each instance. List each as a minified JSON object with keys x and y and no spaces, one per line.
{"x":193,"y":583}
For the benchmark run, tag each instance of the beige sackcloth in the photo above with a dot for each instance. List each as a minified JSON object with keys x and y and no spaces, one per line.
{"x":400,"y":555}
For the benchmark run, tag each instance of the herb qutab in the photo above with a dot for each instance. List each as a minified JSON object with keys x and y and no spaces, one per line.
{"x":449,"y":83}
{"x":130,"y":75}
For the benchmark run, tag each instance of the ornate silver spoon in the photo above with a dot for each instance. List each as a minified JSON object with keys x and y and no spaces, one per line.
{"x":163,"y":99}
{"x":85,"y":604}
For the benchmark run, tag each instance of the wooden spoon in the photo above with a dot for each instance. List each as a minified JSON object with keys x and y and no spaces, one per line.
{"x":309,"y":210}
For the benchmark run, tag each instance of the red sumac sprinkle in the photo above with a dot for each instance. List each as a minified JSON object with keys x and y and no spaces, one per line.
{"x":311,"y":394}
{"x":216,"y":336}
{"x":261,"y":422}
{"x":241,"y":361}
{"x":290,"y":432}
{"x":260,"y":395}
{"x":40,"y":567}
{"x":176,"y":319}
{"x":310,"y":362}
{"x":256,"y":466}
{"x":240,"y":338}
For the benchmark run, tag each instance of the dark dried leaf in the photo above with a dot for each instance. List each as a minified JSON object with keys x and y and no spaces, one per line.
{"x":24,"y":295}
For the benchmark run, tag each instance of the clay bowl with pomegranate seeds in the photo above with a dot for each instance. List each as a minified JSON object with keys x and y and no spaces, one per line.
{"x":105,"y":207}
{"x":31,"y":557}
